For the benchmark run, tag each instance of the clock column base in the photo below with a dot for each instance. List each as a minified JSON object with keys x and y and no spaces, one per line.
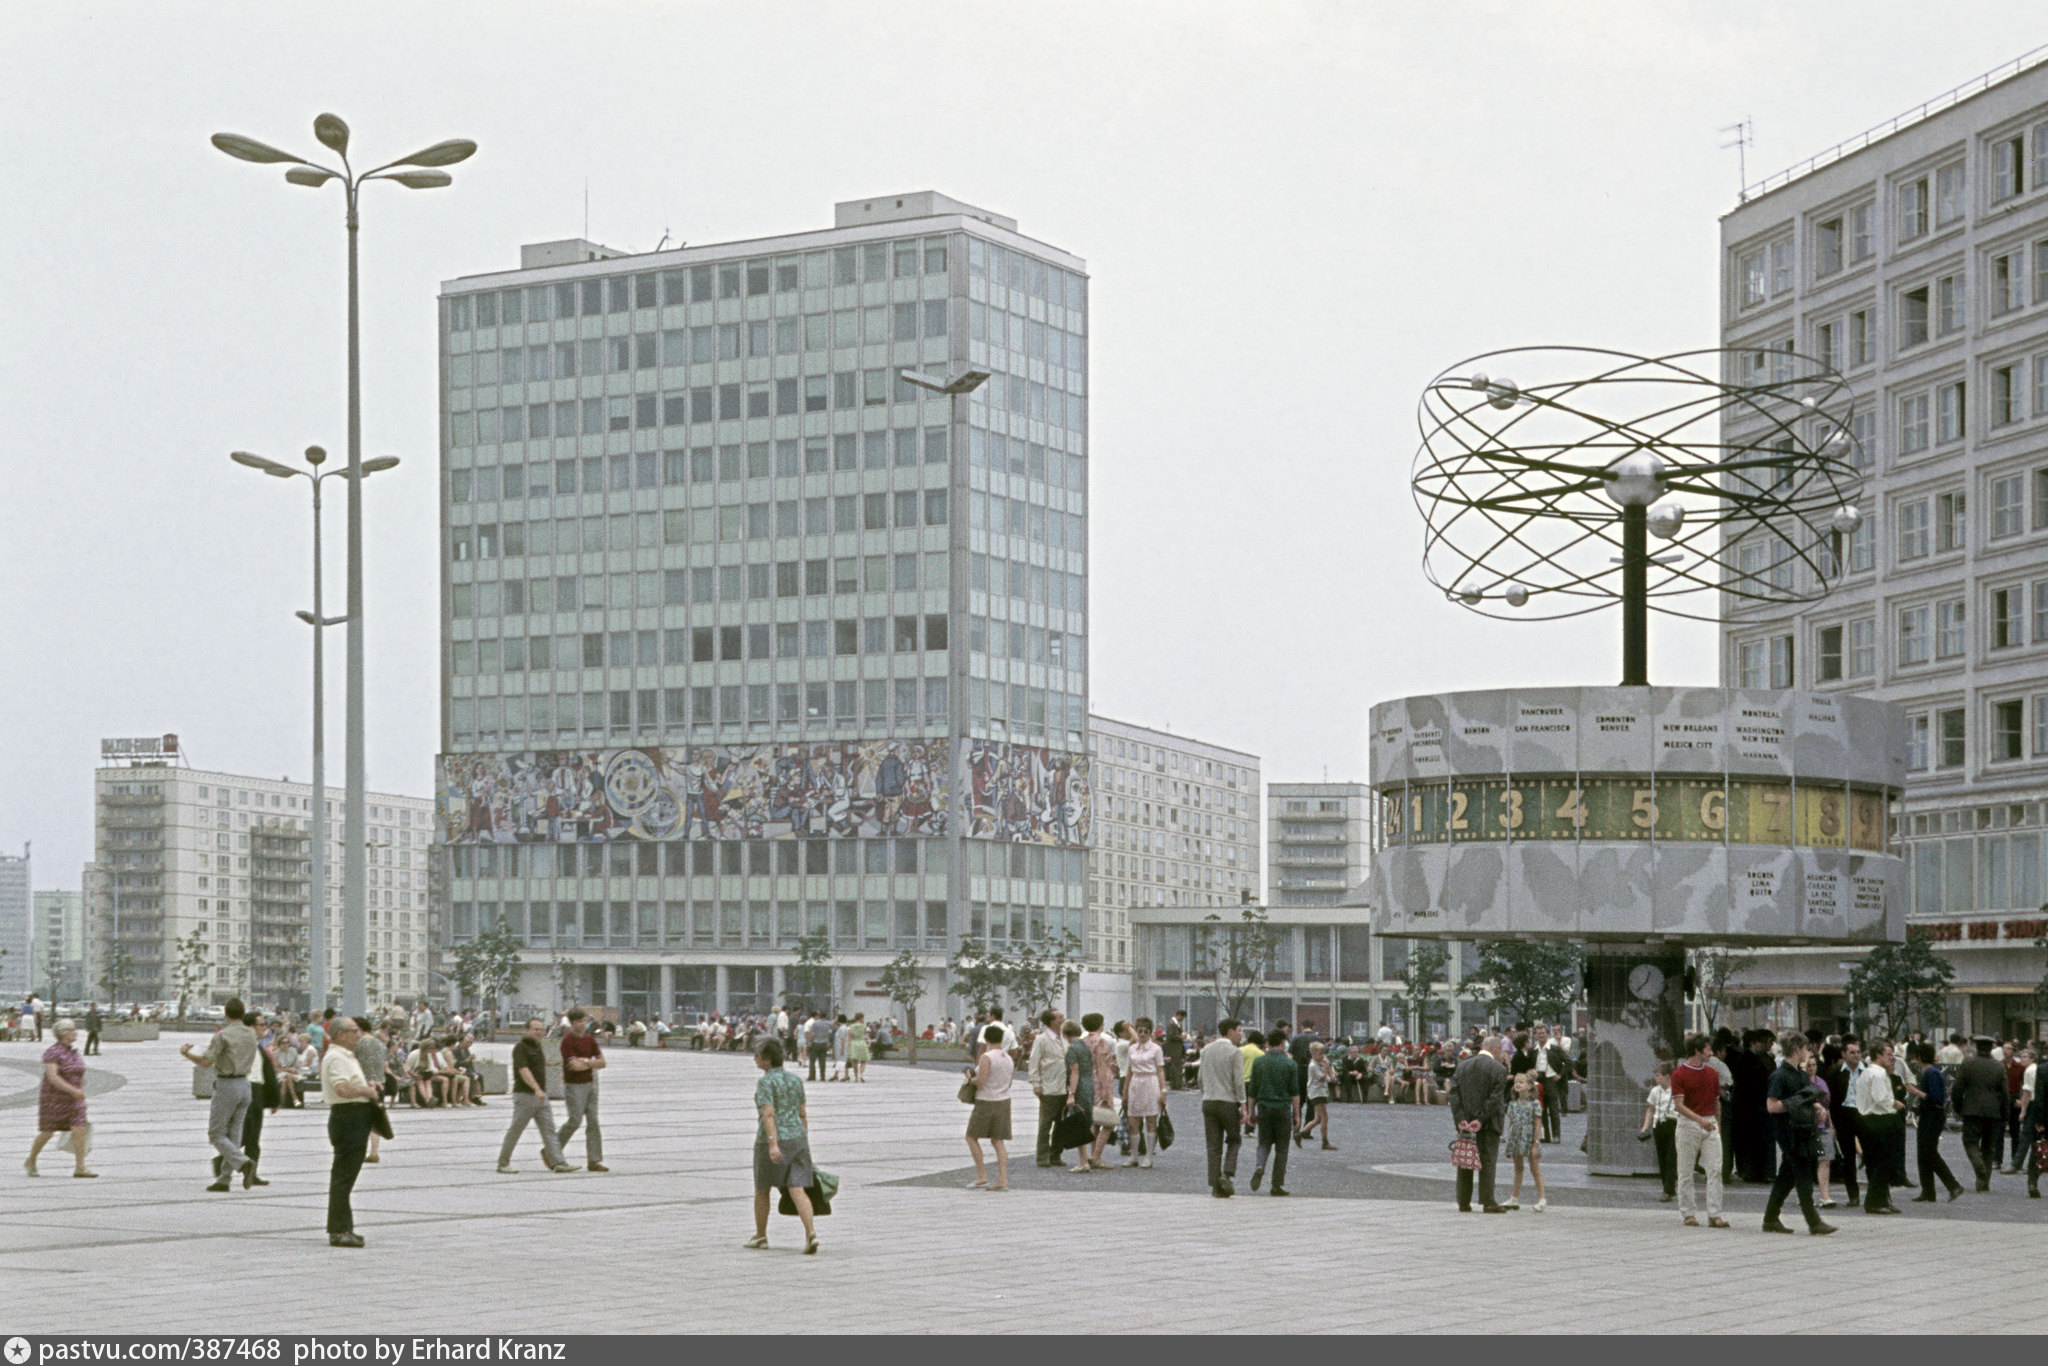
{"x":1635,"y":995}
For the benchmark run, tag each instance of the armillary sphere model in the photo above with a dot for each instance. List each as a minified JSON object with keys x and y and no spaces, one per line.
{"x":1540,"y":492}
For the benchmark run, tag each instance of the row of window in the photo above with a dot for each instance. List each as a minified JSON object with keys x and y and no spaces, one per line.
{"x":869,"y":263}
{"x":682,"y":346}
{"x":1923,"y":202}
{"x":877,"y":701}
{"x":903,"y":508}
{"x":701,"y":645}
{"x":728,"y":402}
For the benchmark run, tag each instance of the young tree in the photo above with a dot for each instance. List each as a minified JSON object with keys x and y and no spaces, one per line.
{"x":808,"y":982}
{"x":1898,"y":984}
{"x":1236,"y":955}
{"x":486,"y":965}
{"x":116,"y":970}
{"x":903,"y":978}
{"x":980,"y":974}
{"x":1427,"y":962}
{"x":1528,"y":980}
{"x":1041,"y":972}
{"x":568,"y":974}
{"x":189,"y":973}
{"x":1714,"y":972}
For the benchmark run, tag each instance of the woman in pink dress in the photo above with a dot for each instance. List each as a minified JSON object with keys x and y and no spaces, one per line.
{"x":1141,"y":1100}
{"x":62,"y":1107}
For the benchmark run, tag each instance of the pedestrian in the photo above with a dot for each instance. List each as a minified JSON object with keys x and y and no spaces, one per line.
{"x":263,"y":1094}
{"x":1080,"y":1065}
{"x":1695,"y":1099}
{"x":818,"y":1038}
{"x":857,"y":1049}
{"x":1841,"y":1063}
{"x":1524,"y":1124}
{"x":1553,"y":1069}
{"x":92,"y":1030}
{"x":1881,"y":1123}
{"x":1789,"y":1099}
{"x":1271,"y":1090}
{"x":2016,"y":1060}
{"x":530,"y":1100}
{"x":1479,"y":1089}
{"x":1047,"y":1071}
{"x":1102,"y":1069}
{"x":839,"y":1040}
{"x":1933,"y":1119}
{"x":1322,"y":1075}
{"x":230,"y":1054}
{"x":1174,"y":1050}
{"x":782,"y":1145}
{"x":1143,"y":1097}
{"x":1660,"y":1122}
{"x":990,"y":1117}
{"x":32,"y":1018}
{"x":60,"y":1107}
{"x":1824,"y":1136}
{"x":1754,"y":1132}
{"x":374,"y":1058}
{"x":582,"y":1060}
{"x":1982,"y":1102}
{"x":1220,"y":1072}
{"x":351,"y":1113}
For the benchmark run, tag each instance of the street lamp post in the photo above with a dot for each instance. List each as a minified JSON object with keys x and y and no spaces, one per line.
{"x":316,"y":965}
{"x":958,"y":727}
{"x":333,"y":134}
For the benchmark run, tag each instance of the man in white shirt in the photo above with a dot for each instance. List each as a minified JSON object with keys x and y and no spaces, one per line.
{"x":1951,"y":1054}
{"x":995,"y":1017}
{"x":1550,"y":1082}
{"x":1048,"y":1073}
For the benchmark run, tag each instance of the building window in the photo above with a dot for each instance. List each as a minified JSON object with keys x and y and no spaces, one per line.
{"x":1916,"y":742}
{"x":1781,"y":661}
{"x":2008,"y":627}
{"x":1827,"y":237}
{"x":2008,"y":732}
{"x":2007,"y":284}
{"x":2008,"y":506}
{"x":1915,"y":635}
{"x":1860,"y":244}
{"x":2008,"y":167}
{"x":2041,"y":610}
{"x":1914,"y":424}
{"x":1948,"y":629}
{"x":2005,"y":396}
{"x":1913,"y":529}
{"x":1912,"y":317}
{"x":1755,"y":279}
{"x":1859,"y":337}
{"x":1948,"y":305}
{"x":1863,"y":647}
{"x":2041,"y":725}
{"x":1913,"y":209}
{"x":1830,"y":654}
{"x":1948,"y":727}
{"x":1950,"y":529}
{"x":1948,"y":194}
{"x":1752,"y":658}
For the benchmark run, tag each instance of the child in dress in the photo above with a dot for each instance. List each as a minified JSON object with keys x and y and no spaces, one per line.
{"x":1525,"y":1113}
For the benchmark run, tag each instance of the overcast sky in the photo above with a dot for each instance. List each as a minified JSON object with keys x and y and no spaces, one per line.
{"x":1294,"y":215}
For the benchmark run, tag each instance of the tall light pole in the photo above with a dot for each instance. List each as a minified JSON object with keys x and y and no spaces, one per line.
{"x":959,"y":544}
{"x":316,"y":965}
{"x":333,"y":134}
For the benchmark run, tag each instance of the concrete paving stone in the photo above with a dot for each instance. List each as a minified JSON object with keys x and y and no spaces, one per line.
{"x":677,"y":1205}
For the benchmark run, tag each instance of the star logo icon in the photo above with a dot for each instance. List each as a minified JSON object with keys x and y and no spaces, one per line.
{"x":17,"y":1351}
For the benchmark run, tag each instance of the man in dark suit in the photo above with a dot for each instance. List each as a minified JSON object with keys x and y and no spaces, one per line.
{"x":1176,"y":1050}
{"x":1554,"y":1070}
{"x":1479,"y":1091}
{"x":1982,"y":1102}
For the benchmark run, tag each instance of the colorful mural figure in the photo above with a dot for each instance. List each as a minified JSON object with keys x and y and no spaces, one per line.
{"x":827,"y":790}
{"x":1029,"y":795}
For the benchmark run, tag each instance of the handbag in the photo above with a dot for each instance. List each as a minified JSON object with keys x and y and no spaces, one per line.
{"x":1465,"y":1147}
{"x":969,"y":1092}
{"x":380,"y":1119}
{"x":824,"y":1185}
{"x":1075,"y":1129}
{"x":1164,"y":1133}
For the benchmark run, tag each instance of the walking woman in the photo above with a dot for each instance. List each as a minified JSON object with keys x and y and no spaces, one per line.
{"x":782,"y":1144}
{"x":990,"y":1118}
{"x":1525,"y":1113}
{"x":1142,"y":1099}
{"x":1321,"y":1076}
{"x":62,"y":1103}
{"x":857,"y":1049}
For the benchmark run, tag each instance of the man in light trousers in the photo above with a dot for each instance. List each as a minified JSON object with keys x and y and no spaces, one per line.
{"x":1696,"y":1095}
{"x":230,"y":1055}
{"x":582,"y":1060}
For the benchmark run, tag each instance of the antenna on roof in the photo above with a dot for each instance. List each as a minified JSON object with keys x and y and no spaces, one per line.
{"x":664,"y":240}
{"x":1744,"y":138}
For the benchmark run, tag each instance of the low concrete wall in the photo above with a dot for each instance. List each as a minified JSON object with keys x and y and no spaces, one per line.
{"x":141,"y":1031}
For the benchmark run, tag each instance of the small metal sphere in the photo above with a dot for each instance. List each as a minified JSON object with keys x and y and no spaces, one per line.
{"x":1635,"y":480}
{"x":1846,"y":519}
{"x":1666,"y":519}
{"x":1516,"y":595}
{"x":1502,"y":393}
{"x":1471,"y":597}
{"x":1478,"y":381}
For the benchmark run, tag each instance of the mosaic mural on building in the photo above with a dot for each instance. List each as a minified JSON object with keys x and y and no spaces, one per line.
{"x":1029,"y":795}
{"x":836,"y":789}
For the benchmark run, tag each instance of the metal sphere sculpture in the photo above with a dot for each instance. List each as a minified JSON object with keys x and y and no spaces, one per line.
{"x":1539,"y":497}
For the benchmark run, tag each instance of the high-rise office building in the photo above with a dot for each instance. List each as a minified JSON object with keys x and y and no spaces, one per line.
{"x":1176,"y":824}
{"x":749,"y":639}
{"x":17,"y":938}
{"x":203,"y":880}
{"x":58,"y":967}
{"x":1317,"y":843}
{"x":1914,"y":261}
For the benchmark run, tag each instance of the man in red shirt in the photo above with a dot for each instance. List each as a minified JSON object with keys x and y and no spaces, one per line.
{"x":582,"y":1060}
{"x":1696,"y":1095}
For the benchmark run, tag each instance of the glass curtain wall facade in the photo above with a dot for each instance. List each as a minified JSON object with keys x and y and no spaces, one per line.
{"x":745,"y":637}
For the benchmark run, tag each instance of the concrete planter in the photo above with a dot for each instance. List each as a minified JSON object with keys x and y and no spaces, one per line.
{"x":140,"y":1031}
{"x":497,"y":1076}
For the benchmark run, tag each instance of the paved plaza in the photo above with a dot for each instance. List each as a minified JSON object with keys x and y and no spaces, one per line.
{"x":145,"y":1248}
